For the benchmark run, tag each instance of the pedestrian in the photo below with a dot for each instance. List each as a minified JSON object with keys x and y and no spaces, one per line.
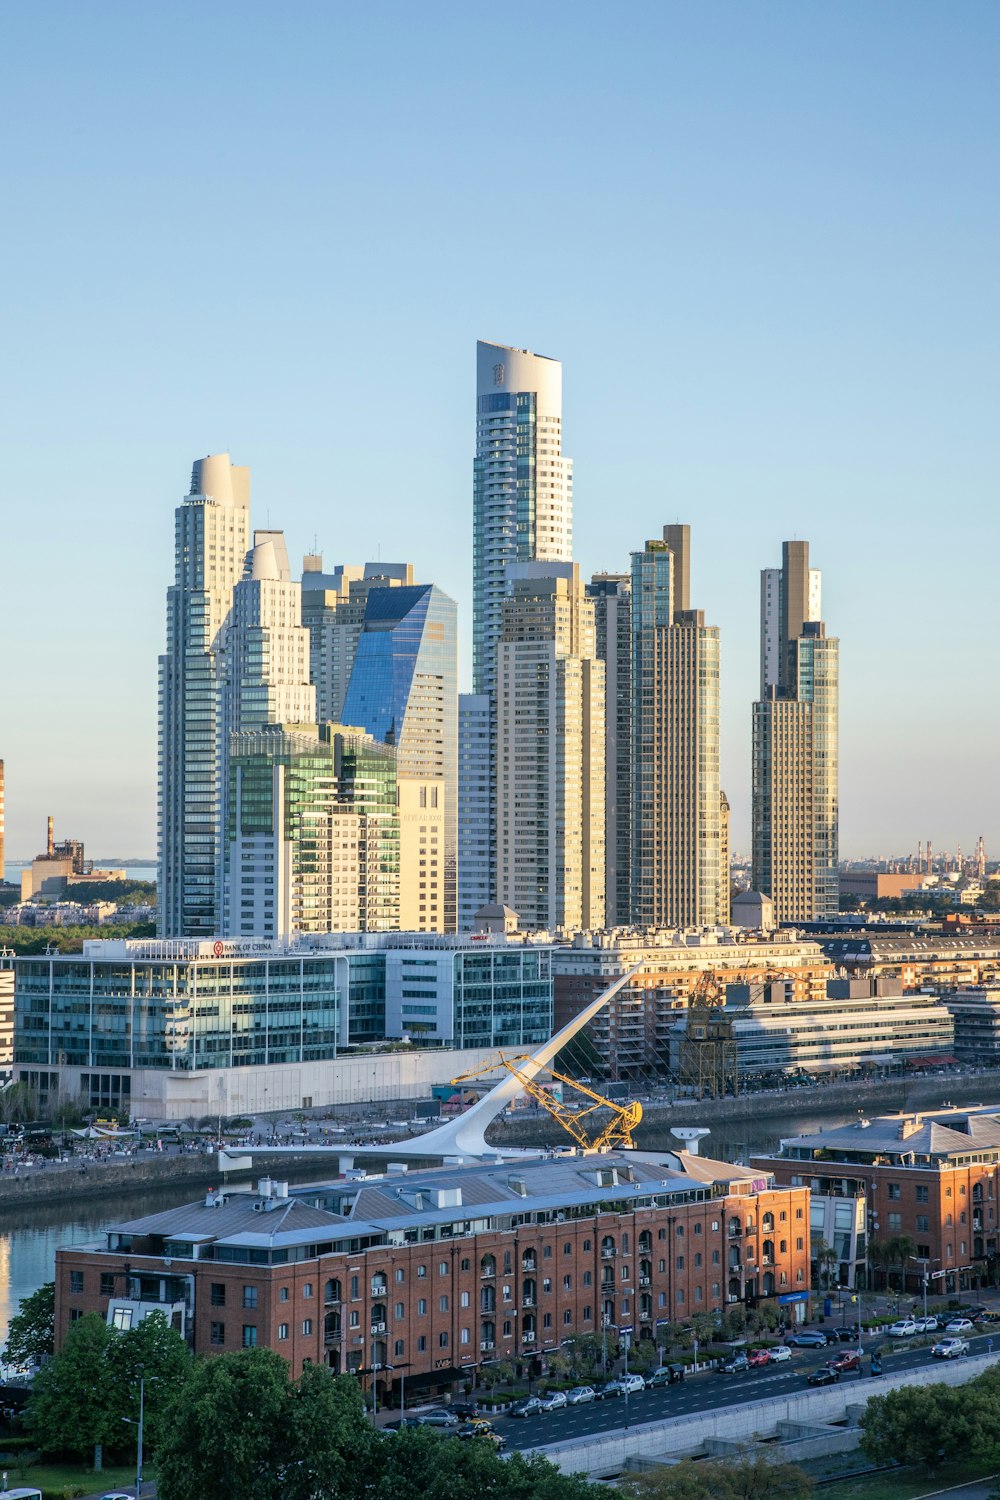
{"x":989,"y":1346}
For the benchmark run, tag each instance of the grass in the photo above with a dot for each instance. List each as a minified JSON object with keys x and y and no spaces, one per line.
{"x":53,"y":1479}
{"x":905,"y":1484}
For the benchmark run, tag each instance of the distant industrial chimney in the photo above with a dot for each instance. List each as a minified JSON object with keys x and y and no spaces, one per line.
{"x":51,"y":842}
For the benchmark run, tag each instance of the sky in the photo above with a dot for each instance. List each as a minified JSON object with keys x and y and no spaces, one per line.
{"x":763,"y":240}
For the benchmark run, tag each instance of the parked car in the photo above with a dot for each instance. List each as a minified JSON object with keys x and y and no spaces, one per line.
{"x":758,"y":1359}
{"x":736,"y":1364}
{"x":950,"y":1349}
{"x":465,"y":1408}
{"x":439,"y":1419}
{"x":959,"y":1325}
{"x":398,"y":1425}
{"x":927,"y":1325}
{"x":579,"y":1394}
{"x":849,"y":1334}
{"x":633,"y":1384}
{"x":849,"y":1360}
{"x":905,"y":1328}
{"x":608,"y":1390}
{"x":529,"y":1407}
{"x":553,"y":1401}
{"x":823,"y":1376}
{"x":780,"y":1354}
{"x":809,"y":1338}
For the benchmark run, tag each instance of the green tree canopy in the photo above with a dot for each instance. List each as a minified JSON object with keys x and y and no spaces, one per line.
{"x":70,"y":1411}
{"x":31,"y":1332}
{"x":751,"y":1478}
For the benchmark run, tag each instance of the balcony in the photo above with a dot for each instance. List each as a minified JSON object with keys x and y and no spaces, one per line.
{"x":331,"y":1301}
{"x":529,"y":1302}
{"x":608,"y":1254}
{"x":528,"y":1264}
{"x":332,"y":1338}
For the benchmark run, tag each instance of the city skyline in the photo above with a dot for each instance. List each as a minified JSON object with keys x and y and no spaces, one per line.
{"x":773,"y":312}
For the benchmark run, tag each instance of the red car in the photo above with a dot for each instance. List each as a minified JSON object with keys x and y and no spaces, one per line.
{"x":846,"y":1361}
{"x":758,"y":1358}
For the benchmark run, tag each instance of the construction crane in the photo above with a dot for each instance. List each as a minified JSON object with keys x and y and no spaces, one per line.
{"x":617,"y":1132}
{"x":708,"y":1058}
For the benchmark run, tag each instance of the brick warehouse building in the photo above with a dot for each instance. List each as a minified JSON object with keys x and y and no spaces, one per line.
{"x":436,"y":1272}
{"x":934,"y":1177}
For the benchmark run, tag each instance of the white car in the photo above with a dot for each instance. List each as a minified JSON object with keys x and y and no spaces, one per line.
{"x":958,"y":1325}
{"x":950,"y":1349}
{"x":633,"y":1384}
{"x":579,"y":1394}
{"x":904,"y":1329}
{"x":927,"y":1325}
{"x":779,"y":1354}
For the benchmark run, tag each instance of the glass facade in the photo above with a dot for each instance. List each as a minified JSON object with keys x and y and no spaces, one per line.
{"x":503,"y":998}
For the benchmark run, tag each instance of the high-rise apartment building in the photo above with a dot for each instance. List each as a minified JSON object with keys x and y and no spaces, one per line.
{"x":612,"y":596}
{"x":475,"y":877}
{"x":725,"y":881}
{"x":312,"y":836}
{"x":266,"y":670}
{"x":550,"y":751}
{"x":212,"y":528}
{"x":676,"y":797}
{"x":333,"y":611}
{"x":522,"y":502}
{"x":403,"y":691}
{"x":2,"y":798}
{"x":795,"y":747}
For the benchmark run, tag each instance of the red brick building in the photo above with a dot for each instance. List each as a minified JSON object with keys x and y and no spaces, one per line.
{"x":436,"y":1272}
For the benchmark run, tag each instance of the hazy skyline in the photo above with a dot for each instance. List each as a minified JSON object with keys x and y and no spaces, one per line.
{"x":762,"y":241}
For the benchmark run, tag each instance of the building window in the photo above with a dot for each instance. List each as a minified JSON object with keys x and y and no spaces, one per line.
{"x":680,"y":1262}
{"x":547,"y":1252}
{"x":895,"y":1223}
{"x":355,"y":1320}
{"x":107,"y":1283}
{"x":894,"y":1190}
{"x":283,"y":1294}
{"x":464,"y":1336}
{"x":567,"y":1317}
{"x":464,"y":1299}
{"x":282,"y":1330}
{"x":218,"y":1294}
{"x":567,"y":1248}
{"x":76,"y":1283}
{"x":307,"y":1289}
{"x":355,"y":1288}
{"x":587,"y":1278}
{"x":546,"y":1320}
{"x":218,"y":1332}
{"x":588,"y":1313}
{"x":421,"y":1306}
{"x":421,"y":1271}
{"x":586,"y":1245}
{"x":442,"y":1304}
{"x":249,"y":1336}
{"x":923,"y":1195}
{"x":249,"y":1296}
{"x":923,"y":1223}
{"x":400,"y":1311}
{"x":75,"y":1313}
{"x":442,"y":1341}
{"x":464,"y":1265}
{"x":421,"y":1344}
{"x":567,"y":1283}
{"x":442,"y":1268}
{"x":400,"y":1273}
{"x":507,"y":1327}
{"x":307,"y":1326}
{"x":924,"y":1252}
{"x":398,"y":1347}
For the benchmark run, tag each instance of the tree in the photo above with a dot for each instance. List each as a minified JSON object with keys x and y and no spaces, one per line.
{"x":751,"y":1478}
{"x":68,"y":1412}
{"x":156,"y":1354}
{"x":31,"y":1332}
{"x":18,"y":1101}
{"x":225,"y":1430}
{"x":329,"y":1435}
{"x":916,"y":1425}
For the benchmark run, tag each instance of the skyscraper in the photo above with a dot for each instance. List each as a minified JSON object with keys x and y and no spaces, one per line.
{"x":612,"y":596}
{"x":2,"y":797}
{"x":550,"y":751}
{"x":211,"y":531}
{"x":475,"y":834}
{"x":333,"y":611}
{"x":795,"y":746}
{"x":676,"y":796}
{"x":403,"y":691}
{"x":522,"y":500}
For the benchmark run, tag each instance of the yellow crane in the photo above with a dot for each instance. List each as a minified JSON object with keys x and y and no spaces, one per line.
{"x":617,"y":1132}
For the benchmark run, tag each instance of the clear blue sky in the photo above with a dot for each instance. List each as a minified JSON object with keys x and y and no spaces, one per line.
{"x":762,"y":238}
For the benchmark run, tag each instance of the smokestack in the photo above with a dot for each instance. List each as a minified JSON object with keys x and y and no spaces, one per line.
{"x":51,"y":842}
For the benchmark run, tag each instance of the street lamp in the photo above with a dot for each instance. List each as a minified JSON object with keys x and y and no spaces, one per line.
{"x":133,"y":1423}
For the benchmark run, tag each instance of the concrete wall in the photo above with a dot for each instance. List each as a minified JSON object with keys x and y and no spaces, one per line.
{"x":610,"y":1452}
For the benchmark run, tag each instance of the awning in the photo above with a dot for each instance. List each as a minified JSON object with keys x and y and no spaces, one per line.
{"x":933,"y":1060}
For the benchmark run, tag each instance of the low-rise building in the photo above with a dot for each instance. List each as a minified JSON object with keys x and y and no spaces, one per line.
{"x":175,"y":1027}
{"x":933,"y":1178}
{"x":976,"y":1014}
{"x":917,"y":958}
{"x":434,"y":1273}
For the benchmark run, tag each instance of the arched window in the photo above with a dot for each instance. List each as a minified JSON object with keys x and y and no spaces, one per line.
{"x":488,"y":1265}
{"x":331,"y":1292}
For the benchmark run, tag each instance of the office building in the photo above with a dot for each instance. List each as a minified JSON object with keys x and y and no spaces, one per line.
{"x":917,"y":959}
{"x":175,"y":1027}
{"x":333,"y":612}
{"x":725,"y":886}
{"x":212,"y":533}
{"x":312,"y":840}
{"x":931,"y":1177}
{"x":676,"y":830}
{"x":976,"y":1014}
{"x":522,"y":499}
{"x":795,"y":748}
{"x":403,"y":691}
{"x":427,"y":1275}
{"x":476,"y":878}
{"x":612,"y":596}
{"x":6,"y":1014}
{"x":550,"y":751}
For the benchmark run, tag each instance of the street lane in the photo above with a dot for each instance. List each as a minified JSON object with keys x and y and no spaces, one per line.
{"x":710,"y":1391}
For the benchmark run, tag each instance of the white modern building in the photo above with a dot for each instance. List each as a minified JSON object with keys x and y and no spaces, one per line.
{"x":475,"y":876}
{"x":212,"y":529}
{"x":771,"y":604}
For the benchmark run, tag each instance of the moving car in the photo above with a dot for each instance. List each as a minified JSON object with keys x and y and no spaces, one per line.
{"x":439,"y":1419}
{"x":849,"y":1360}
{"x":484,"y":1431}
{"x":736,"y":1364}
{"x":959,"y":1325}
{"x":809,"y":1338}
{"x":950,"y":1349}
{"x":780,"y":1355}
{"x":758,"y":1359}
{"x":579,"y":1394}
{"x":905,"y":1328}
{"x":529,"y":1407}
{"x":824,"y":1376}
{"x":553,"y":1401}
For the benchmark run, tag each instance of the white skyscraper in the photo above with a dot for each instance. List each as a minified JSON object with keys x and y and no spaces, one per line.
{"x":770,"y":619}
{"x":522,"y":510}
{"x":212,"y":528}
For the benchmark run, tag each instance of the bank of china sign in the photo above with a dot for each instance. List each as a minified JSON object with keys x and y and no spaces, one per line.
{"x":239,"y":948}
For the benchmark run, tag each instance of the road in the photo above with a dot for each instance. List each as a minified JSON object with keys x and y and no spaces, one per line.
{"x":710,"y":1391}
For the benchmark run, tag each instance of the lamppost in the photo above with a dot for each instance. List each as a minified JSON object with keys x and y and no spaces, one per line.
{"x":133,"y":1423}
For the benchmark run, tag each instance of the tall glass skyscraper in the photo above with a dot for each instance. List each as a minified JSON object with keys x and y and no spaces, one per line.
{"x":404,"y":691}
{"x":211,"y":531}
{"x":796,"y":813}
{"x":522,"y":507}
